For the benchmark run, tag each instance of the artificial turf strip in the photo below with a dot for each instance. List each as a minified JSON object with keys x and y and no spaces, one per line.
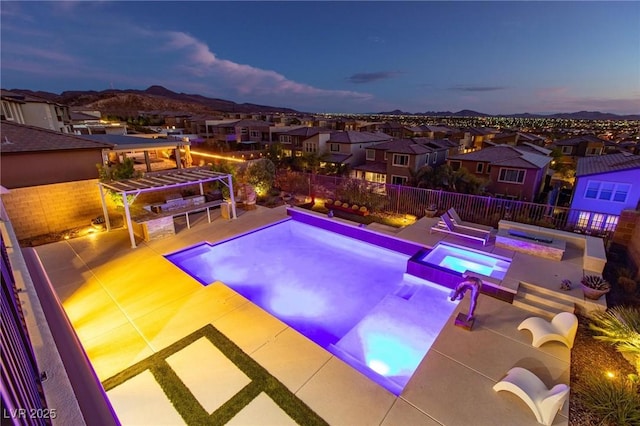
{"x":188,"y":406}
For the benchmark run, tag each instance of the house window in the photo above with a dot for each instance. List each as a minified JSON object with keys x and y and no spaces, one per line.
{"x":479,"y":167}
{"x":455,"y":165}
{"x":435,"y":158}
{"x":593,"y":151}
{"x":401,"y":160}
{"x":255,"y":134}
{"x":385,"y":156}
{"x":371,"y":154}
{"x":607,"y":191}
{"x":511,"y":175}
{"x":285,"y":139}
{"x":566,"y":149}
{"x":243,"y":130}
{"x":334,"y":147}
{"x":398,"y":180}
{"x":310,"y":147}
{"x":6,"y":111}
{"x":375,"y":177}
{"x":488,"y":170}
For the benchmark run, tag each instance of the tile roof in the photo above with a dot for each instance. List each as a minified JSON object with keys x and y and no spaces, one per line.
{"x":336,"y":158}
{"x":22,"y":138}
{"x":372,"y":166}
{"x":403,"y":146}
{"x":607,"y":163}
{"x":306,"y":131}
{"x":506,"y":155}
{"x":578,"y":140}
{"x":358,"y":137}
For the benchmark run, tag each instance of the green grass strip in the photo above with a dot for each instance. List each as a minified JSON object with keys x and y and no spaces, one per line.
{"x":188,"y":406}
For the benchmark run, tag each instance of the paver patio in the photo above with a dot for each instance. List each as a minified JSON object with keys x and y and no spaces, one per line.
{"x":128,"y":304}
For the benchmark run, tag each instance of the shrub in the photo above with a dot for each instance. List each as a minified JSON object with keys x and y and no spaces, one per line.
{"x":363,"y":209}
{"x":614,"y":401}
{"x":355,"y":207}
{"x":620,"y":326}
{"x":338,"y":203}
{"x":329,"y":202}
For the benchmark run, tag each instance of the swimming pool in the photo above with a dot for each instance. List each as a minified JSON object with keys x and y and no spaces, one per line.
{"x":351,"y":297}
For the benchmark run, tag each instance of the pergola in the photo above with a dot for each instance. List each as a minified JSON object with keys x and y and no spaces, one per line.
{"x":159,"y":181}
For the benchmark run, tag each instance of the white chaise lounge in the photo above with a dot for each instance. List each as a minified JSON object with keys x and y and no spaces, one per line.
{"x":562,"y":328}
{"x":453,"y":214}
{"x":447,"y":226}
{"x":545,"y":403}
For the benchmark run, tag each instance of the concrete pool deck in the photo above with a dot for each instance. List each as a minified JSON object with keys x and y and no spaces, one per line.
{"x":127,"y":304}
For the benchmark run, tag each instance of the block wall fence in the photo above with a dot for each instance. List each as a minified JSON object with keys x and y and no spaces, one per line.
{"x":46,"y":209}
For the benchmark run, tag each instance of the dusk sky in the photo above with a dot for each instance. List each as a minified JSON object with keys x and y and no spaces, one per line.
{"x":493,"y":57}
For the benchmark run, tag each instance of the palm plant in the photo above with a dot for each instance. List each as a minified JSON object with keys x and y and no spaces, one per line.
{"x":620,"y":326}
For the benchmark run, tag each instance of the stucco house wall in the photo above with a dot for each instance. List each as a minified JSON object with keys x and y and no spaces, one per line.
{"x":629,"y":176}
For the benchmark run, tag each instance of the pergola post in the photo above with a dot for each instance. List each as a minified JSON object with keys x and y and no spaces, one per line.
{"x":105,"y":212}
{"x":178,"y":159}
{"x":147,"y":161}
{"x":233,"y":199}
{"x":127,"y":216}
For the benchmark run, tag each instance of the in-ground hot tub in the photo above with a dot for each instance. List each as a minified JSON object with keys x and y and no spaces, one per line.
{"x":448,"y":264}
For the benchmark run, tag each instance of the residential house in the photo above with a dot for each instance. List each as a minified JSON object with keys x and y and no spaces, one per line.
{"x":90,"y":123}
{"x":348,"y":148}
{"x":34,"y":156}
{"x":396,"y":161}
{"x":243,"y":131}
{"x":606,"y":185}
{"x":475,"y":137}
{"x":513,"y":172}
{"x":396,"y":130}
{"x":36,"y":111}
{"x":518,"y":138}
{"x":581,"y":146}
{"x":433,"y":132}
{"x":11,"y":108}
{"x":304,"y":140}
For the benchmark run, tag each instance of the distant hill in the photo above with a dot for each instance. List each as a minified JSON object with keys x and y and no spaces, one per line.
{"x":128,"y":102}
{"x":580,"y":115}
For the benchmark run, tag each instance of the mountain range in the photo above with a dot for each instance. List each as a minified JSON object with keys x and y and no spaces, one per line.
{"x":129,"y":102}
{"x":580,"y":115}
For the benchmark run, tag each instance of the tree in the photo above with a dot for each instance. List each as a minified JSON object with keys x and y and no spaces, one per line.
{"x":260,"y":174}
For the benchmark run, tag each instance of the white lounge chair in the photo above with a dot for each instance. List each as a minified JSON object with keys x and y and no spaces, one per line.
{"x":562,"y":328}
{"x":453,"y":214}
{"x":447,"y":226}
{"x":544,"y":402}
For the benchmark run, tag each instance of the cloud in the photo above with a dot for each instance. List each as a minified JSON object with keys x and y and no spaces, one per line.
{"x":37,"y":54}
{"x":246,"y":79}
{"x":368,"y":77}
{"x":462,"y":88}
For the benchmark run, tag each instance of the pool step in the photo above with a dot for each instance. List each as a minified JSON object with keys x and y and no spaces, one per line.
{"x":406,"y":291}
{"x":542,"y":301}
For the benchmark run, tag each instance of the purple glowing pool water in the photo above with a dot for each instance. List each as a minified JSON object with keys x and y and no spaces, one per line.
{"x":350,"y":297}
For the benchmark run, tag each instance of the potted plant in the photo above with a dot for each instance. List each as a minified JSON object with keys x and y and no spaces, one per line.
{"x":594,"y":286}
{"x":431,"y":210}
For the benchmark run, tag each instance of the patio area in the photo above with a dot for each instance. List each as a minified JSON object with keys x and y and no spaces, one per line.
{"x":131,"y":305}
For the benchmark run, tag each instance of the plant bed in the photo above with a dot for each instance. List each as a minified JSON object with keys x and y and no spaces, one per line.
{"x":346,"y":209}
